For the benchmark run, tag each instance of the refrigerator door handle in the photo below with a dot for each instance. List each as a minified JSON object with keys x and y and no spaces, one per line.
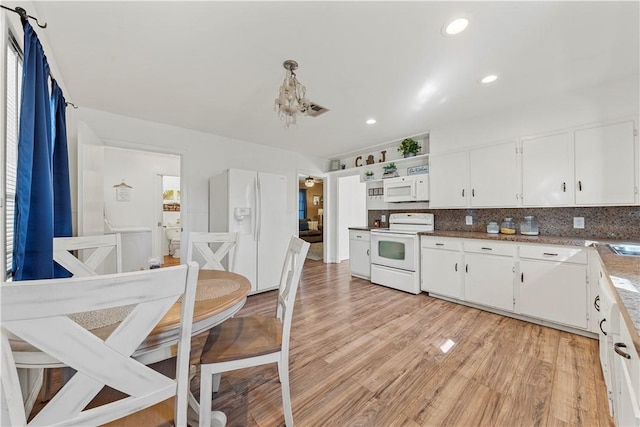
{"x":258,"y":209}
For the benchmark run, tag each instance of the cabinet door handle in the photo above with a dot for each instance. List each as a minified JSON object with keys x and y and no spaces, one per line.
{"x":473,"y":192}
{"x":564,"y":187}
{"x":617,"y":346}
{"x":596,"y":302}
{"x":579,"y":185}
{"x":602,"y":330}
{"x":368,"y":250}
{"x":456,"y":267}
{"x":549,"y":254}
{"x":466,"y":268}
{"x":521,"y":277}
{"x":463,"y":192}
{"x":486,"y":249}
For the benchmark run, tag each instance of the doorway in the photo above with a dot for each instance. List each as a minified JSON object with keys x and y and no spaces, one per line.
{"x":169,"y":221}
{"x":311,"y":214}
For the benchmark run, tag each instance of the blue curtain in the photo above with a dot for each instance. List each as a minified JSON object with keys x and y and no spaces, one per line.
{"x":33,"y":232}
{"x":62,"y":226}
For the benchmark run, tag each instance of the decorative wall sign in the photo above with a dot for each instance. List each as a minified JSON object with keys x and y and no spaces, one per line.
{"x":418,"y":170}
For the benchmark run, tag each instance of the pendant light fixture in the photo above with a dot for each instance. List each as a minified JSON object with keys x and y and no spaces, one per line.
{"x":309,"y":182}
{"x":292,"y":99}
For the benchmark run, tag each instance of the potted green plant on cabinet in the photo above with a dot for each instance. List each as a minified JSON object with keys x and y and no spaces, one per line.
{"x":409,"y":147}
{"x":390,"y":170}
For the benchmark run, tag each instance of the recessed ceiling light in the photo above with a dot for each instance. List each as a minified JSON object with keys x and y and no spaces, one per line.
{"x":489,"y":79}
{"x":456,"y":26}
{"x":371,"y":121}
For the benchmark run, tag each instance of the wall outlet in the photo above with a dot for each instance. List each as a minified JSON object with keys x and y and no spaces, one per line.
{"x":469,"y":220}
{"x":384,"y":218}
{"x":578,"y":222}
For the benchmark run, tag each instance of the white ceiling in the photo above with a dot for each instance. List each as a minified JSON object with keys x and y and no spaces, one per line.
{"x":216,"y":66}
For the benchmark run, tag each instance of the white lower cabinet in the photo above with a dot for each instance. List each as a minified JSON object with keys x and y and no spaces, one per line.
{"x":489,"y":280}
{"x":545,"y":283}
{"x":608,"y":331}
{"x":489,"y":272}
{"x":626,"y":364}
{"x":442,"y":267}
{"x":553,"y":284}
{"x":359,"y":253}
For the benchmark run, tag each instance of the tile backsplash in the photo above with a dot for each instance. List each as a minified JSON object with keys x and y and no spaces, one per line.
{"x":613,"y":222}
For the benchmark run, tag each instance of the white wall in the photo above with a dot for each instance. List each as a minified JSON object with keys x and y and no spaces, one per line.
{"x":138,"y":169}
{"x":618,"y":99}
{"x":203,"y":155}
{"x":352,"y":204}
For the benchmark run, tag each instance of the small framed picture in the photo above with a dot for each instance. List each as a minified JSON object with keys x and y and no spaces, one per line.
{"x":316,"y":200}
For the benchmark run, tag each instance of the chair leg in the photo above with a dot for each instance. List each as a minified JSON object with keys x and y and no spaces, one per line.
{"x":283,"y":372}
{"x":205,"y":396}
{"x":215,"y":384}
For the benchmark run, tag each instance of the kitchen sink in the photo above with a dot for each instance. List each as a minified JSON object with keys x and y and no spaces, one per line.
{"x":629,"y":249}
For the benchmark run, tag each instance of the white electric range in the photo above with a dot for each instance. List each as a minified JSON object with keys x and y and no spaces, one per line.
{"x":395,"y":251}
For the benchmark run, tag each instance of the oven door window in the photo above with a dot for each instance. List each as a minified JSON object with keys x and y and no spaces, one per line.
{"x":391,"y":250}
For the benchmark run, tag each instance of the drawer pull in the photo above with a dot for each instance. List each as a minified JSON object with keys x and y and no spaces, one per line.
{"x":617,"y":346}
{"x":602,"y":330}
{"x":439,"y":244}
{"x":549,"y":254}
{"x":596,"y":302}
{"x":486,"y":249}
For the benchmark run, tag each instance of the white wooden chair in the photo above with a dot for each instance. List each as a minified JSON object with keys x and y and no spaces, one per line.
{"x":202,"y":242}
{"x":38,"y":312}
{"x":241,"y":342}
{"x":101,"y":247}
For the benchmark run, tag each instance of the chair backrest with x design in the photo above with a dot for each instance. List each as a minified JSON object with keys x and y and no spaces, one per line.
{"x":99,"y":247}
{"x":223,"y":244}
{"x":39,"y":311}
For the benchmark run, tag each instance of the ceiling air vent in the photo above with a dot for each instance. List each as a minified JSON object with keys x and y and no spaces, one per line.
{"x":315,"y":110}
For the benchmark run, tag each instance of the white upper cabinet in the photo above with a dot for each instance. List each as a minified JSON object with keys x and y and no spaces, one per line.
{"x":480,"y":177}
{"x":493,"y":176}
{"x":448,"y":174}
{"x":547,"y":178}
{"x":605,"y":165}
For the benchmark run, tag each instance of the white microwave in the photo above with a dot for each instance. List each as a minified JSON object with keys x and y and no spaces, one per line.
{"x":413,"y":188}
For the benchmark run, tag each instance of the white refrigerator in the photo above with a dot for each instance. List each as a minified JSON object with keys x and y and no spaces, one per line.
{"x":253,"y":204}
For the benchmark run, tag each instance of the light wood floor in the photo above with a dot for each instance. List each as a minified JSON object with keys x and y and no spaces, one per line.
{"x":366,"y":355}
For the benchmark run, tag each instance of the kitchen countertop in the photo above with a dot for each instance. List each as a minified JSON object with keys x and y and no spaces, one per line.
{"x":624,"y":272}
{"x":519,"y":238}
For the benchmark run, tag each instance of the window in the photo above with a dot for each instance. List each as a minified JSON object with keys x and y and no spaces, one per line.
{"x":10,"y":154}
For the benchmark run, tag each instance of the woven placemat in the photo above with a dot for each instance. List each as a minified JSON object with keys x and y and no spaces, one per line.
{"x":207,"y":289}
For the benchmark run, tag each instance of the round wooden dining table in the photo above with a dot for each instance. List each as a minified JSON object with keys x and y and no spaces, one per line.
{"x":219,"y":295}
